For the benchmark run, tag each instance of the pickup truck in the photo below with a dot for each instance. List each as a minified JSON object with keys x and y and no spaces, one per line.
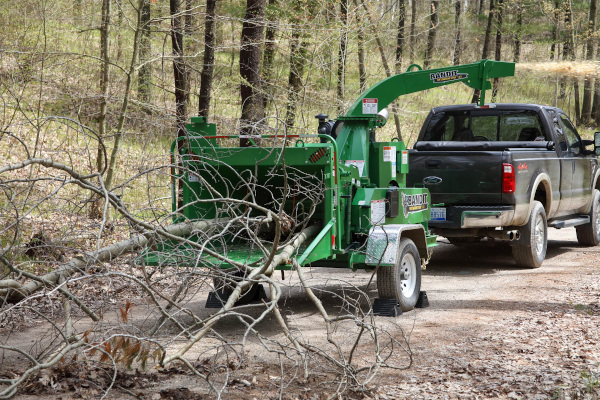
{"x":507,"y":172}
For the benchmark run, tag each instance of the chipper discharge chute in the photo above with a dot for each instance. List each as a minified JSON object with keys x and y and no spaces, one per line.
{"x":334,"y":199}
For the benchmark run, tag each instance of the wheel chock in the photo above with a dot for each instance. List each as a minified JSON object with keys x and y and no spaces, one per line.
{"x":422,"y":302}
{"x":386,"y":307}
{"x":218,"y":298}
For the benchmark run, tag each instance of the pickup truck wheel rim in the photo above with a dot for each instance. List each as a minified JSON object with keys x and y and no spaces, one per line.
{"x":409,"y":275}
{"x":539,"y":234}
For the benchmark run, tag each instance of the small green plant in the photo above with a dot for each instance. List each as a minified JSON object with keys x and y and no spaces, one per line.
{"x":592,"y":381}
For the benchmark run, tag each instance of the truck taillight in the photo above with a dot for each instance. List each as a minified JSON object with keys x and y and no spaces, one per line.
{"x":508,"y":178}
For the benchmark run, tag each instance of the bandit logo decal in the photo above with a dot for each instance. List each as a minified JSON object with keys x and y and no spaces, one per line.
{"x":447,"y":76}
{"x":412,"y":203}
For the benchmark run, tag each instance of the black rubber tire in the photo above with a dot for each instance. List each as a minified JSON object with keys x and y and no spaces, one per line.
{"x":408,"y":265}
{"x":530,"y":250}
{"x":226,"y":281}
{"x":589,"y":234}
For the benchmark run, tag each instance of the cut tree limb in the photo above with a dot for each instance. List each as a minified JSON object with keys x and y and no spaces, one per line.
{"x":13,"y":291}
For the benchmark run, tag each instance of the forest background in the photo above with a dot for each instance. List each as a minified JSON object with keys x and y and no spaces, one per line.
{"x":93,"y":92}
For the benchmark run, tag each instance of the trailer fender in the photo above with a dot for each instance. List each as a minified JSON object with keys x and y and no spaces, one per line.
{"x":383,"y":242}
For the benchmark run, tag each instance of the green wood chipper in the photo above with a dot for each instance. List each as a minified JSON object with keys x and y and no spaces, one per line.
{"x":340,"y":191}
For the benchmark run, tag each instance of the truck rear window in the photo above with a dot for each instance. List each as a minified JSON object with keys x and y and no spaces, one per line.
{"x":484,"y":125}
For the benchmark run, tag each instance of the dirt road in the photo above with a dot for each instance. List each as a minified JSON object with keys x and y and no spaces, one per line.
{"x":492,"y":331}
{"x":497,"y":331}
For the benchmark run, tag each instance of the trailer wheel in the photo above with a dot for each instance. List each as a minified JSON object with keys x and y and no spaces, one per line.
{"x":530,"y":250}
{"x":403,"y":280}
{"x":589,"y":234}
{"x":226,"y":281}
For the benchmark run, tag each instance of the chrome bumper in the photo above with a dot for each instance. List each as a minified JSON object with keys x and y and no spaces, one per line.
{"x":487,"y":218}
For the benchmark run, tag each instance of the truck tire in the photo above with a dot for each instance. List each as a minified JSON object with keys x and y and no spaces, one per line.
{"x":403,"y":280}
{"x":589,"y":234}
{"x":530,"y":250}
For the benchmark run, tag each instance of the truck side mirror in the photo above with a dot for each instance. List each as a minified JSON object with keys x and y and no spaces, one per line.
{"x":597,"y":143}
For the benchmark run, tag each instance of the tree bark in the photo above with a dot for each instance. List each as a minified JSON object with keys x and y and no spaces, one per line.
{"x":206,"y":76}
{"x":104,"y":70}
{"x":488,"y":31}
{"x":362,"y":72}
{"x":400,"y":36}
{"x":269,"y":54}
{"x":518,"y":33}
{"x":413,"y":33}
{"x":386,"y":66}
{"x":555,"y":30}
{"x":596,"y":105}
{"x":432,"y":33}
{"x":298,"y":46}
{"x":341,"y":69}
{"x":179,"y":69}
{"x":124,"y":105}
{"x":486,"y":45}
{"x":569,"y":54}
{"x":145,"y":71}
{"x":588,"y":85}
{"x":250,"y":52}
{"x":498,"y":52}
{"x":189,"y":18}
{"x":456,"y":56}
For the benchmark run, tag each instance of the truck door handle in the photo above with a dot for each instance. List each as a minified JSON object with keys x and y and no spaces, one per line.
{"x":433,"y":164}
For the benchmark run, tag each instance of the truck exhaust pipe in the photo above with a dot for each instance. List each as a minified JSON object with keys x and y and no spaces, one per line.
{"x":504,"y":235}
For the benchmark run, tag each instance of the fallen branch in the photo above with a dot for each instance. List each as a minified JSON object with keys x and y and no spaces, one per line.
{"x":13,"y":291}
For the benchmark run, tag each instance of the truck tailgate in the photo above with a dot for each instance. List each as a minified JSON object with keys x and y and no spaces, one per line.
{"x":458,"y":177}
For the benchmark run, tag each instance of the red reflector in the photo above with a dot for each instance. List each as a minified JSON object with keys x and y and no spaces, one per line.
{"x":508,"y":178}
{"x":332,"y":240}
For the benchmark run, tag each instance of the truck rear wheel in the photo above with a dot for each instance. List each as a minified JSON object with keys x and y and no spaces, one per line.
{"x":530,"y":250}
{"x":589,"y":234}
{"x":403,"y":280}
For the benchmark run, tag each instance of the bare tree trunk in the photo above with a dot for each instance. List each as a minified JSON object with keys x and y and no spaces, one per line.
{"x":480,"y":6}
{"x":127,"y":90}
{"x":519,"y":30}
{"x":269,"y":55}
{"x":145,"y":72}
{"x":456,"y":56}
{"x":488,"y":31}
{"x":498,"y":53}
{"x":588,"y":86}
{"x":341,"y":69}
{"x":362,"y":72}
{"x":189,"y":18}
{"x":432,"y":32}
{"x":486,"y":45}
{"x":252,"y":36}
{"x":400,"y":38}
{"x":596,"y":106}
{"x":297,"y":62}
{"x":386,"y":66}
{"x":555,"y":31}
{"x":104,"y":69}
{"x":179,"y":72}
{"x":569,"y":54}
{"x":413,"y":32}
{"x":208,"y":66}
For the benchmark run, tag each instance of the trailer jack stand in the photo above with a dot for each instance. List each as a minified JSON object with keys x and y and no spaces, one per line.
{"x":422,"y":302}
{"x":218,"y":298}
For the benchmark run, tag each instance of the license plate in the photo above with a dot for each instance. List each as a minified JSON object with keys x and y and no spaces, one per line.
{"x":438,"y":214}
